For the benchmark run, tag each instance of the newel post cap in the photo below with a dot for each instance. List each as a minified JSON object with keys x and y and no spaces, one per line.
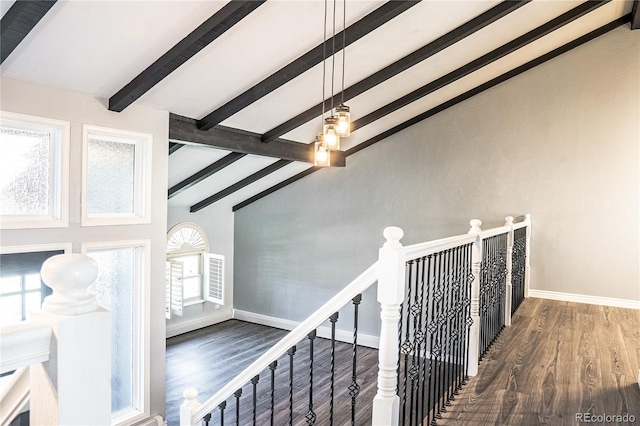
{"x":475,"y":226}
{"x":69,"y":276}
{"x":393,"y":235}
{"x":508,"y":221}
{"x":191,"y":398}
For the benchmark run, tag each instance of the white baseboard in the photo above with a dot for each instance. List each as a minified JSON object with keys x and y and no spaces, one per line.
{"x":582,"y":298}
{"x":217,"y":316}
{"x":153,"y":421}
{"x":367,"y":340}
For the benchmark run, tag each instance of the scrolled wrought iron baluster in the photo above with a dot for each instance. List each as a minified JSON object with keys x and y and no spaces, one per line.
{"x":422,"y":347}
{"x":439,"y":342}
{"x":430,"y":329}
{"x":354,"y":387}
{"x":291,"y":352}
{"x":238,"y":394}
{"x":222,"y":406}
{"x":272,"y":368}
{"x":332,"y":319}
{"x":406,"y":345}
{"x":254,"y":383}
{"x":311,"y":416}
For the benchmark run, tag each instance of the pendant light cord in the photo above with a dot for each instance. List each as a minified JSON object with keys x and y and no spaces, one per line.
{"x":344,"y":44}
{"x":333,"y":54}
{"x":324,"y":60}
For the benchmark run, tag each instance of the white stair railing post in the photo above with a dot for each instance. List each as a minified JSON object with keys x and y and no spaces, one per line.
{"x":74,"y":386}
{"x":391,"y":282}
{"x":474,"y":332}
{"x":508,"y":221}
{"x":188,"y":406}
{"x":527,"y":275}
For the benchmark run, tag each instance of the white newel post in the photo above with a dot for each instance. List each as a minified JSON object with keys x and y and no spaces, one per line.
{"x":74,"y":386}
{"x":188,"y":406}
{"x":474,"y":332}
{"x":527,"y":275}
{"x":508,"y":221}
{"x":391,"y":277}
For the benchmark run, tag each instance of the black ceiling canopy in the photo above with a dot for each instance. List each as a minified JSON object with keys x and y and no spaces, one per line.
{"x":198,"y":39}
{"x":19,"y":20}
{"x":378,"y":17}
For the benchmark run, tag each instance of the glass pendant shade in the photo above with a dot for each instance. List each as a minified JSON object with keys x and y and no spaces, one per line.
{"x":331,"y":134}
{"x":344,"y":120}
{"x":322,"y":156}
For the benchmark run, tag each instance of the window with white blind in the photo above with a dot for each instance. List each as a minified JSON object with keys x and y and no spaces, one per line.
{"x":193,"y":275}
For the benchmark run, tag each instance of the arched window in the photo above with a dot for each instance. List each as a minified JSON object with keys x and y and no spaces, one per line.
{"x":193,"y":274}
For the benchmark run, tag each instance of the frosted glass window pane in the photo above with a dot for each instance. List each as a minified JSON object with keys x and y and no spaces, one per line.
{"x":114,"y":291}
{"x":110,"y":177}
{"x":25,"y":181}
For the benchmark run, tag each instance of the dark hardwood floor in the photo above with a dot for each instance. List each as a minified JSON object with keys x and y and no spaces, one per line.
{"x":557,"y":359}
{"x":208,"y":358}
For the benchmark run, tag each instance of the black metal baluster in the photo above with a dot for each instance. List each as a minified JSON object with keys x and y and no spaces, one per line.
{"x":467,"y":300}
{"x":354,"y":387}
{"x":440,"y":346}
{"x":273,"y":367}
{"x":458,"y":320}
{"x":430,"y":322}
{"x":222,"y":406}
{"x":420,"y":337}
{"x":238,"y":394}
{"x":206,"y":419}
{"x":448,"y":336}
{"x":254,"y":382}
{"x":406,"y":346}
{"x":333,"y":319}
{"x":414,"y":312}
{"x":311,"y":416}
{"x":291,"y":352}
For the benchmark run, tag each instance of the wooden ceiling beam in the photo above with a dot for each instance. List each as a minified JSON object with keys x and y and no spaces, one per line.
{"x":448,"y":104}
{"x":173,"y":147}
{"x":482,"y":61}
{"x":635,"y":15}
{"x":19,"y":20}
{"x":198,"y":39}
{"x":184,"y":130}
{"x":399,"y":66}
{"x":378,"y":17}
{"x":208,"y":171}
{"x":239,"y":185}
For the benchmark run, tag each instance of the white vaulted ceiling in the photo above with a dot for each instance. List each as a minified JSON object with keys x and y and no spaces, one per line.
{"x":98,"y":47}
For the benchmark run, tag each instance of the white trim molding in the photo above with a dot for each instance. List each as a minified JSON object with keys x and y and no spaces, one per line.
{"x":59,"y":130}
{"x":142,"y":176}
{"x":219,"y":315}
{"x":583,"y":298}
{"x":367,"y":340}
{"x":141,"y":355}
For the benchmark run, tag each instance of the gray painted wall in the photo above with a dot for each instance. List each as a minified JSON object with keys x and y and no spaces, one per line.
{"x":560,"y":141}
{"x":79,"y":109}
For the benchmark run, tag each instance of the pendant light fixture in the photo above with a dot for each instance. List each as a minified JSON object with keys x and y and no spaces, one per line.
{"x":338,"y":124}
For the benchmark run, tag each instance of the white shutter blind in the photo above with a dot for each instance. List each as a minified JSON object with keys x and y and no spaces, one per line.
{"x":176,"y":288}
{"x":214,"y":278}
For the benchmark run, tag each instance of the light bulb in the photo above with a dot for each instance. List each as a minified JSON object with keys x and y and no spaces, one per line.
{"x":322,"y":156}
{"x":331,"y":134}
{"x":344,"y":120}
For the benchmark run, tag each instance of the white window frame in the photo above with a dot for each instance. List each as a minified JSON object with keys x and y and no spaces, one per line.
{"x":142,"y":176}
{"x":141,"y":334}
{"x":203,"y":253}
{"x":58,"y":216}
